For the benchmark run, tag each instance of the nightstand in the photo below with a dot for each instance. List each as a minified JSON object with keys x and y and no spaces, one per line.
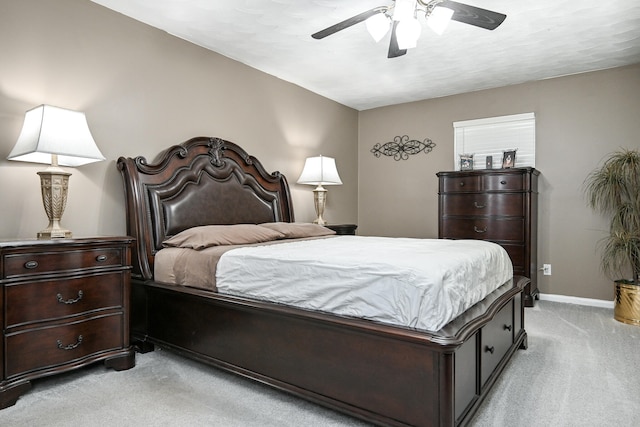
{"x":66,"y":305}
{"x":343,"y":229}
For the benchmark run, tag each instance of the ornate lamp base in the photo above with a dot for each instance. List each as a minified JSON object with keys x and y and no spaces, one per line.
{"x":54,"y":231}
{"x":55,"y":184}
{"x":319,"y":200}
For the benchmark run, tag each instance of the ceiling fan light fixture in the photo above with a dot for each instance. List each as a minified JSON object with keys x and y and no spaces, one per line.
{"x":405,"y":28}
{"x":378,"y":26}
{"x":439,"y":18}
{"x":407,"y":33}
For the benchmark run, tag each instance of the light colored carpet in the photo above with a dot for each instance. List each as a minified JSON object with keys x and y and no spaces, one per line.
{"x":582,"y":368}
{"x":163,"y":389}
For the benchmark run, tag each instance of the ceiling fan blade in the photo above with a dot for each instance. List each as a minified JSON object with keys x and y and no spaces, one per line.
{"x":394,"y":50}
{"x":349,"y":22}
{"x":473,"y":15}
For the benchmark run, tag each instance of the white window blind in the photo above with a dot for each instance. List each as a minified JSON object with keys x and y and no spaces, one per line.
{"x":495,"y":135}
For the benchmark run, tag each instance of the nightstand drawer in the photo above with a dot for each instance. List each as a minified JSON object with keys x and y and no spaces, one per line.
{"x":45,"y":300}
{"x":50,"y":346}
{"x":29,"y":264}
{"x":343,"y":229}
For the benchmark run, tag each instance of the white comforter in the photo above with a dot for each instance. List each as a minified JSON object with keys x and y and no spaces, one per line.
{"x":419,"y":283}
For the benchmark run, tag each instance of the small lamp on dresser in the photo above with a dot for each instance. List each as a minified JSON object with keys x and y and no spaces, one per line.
{"x":320,"y":171}
{"x":58,"y":137}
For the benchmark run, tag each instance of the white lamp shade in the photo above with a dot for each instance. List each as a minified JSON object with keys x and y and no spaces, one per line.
{"x":378,"y":26}
{"x":439,"y":19}
{"x":320,"y":170}
{"x":51,"y":130}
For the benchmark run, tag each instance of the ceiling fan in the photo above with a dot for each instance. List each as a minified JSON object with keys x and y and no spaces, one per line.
{"x":401,"y":17}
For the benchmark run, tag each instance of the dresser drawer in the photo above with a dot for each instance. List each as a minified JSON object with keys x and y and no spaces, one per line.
{"x":463,"y":184}
{"x":516,"y":253}
{"x":477,"y":181}
{"x":503,"y":182}
{"x":499,"y":229}
{"x":30,"y":264}
{"x":485,"y":204}
{"x":45,"y":347}
{"x":496,"y":338}
{"x":45,"y":300}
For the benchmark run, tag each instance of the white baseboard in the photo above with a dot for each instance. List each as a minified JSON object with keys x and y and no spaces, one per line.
{"x":577,"y":300}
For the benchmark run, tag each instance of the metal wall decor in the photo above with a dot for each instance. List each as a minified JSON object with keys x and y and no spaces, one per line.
{"x":402,"y":147}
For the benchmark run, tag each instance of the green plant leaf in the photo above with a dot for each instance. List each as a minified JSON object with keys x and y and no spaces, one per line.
{"x":614,"y":190}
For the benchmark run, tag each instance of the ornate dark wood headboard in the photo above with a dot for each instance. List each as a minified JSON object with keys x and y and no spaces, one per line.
{"x":203,"y":181}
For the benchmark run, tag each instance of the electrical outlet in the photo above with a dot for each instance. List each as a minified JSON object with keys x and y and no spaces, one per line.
{"x":546,"y":269}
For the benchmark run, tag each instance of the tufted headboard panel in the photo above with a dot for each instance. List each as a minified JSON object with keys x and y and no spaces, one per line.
{"x":203,"y":181}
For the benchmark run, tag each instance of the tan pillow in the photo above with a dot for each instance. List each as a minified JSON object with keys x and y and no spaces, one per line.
{"x":218,"y":235}
{"x":296,"y":230}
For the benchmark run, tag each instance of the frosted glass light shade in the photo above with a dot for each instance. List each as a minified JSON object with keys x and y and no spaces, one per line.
{"x":439,"y":19}
{"x":51,"y":130}
{"x":320,"y":170}
{"x":378,"y":26}
{"x":407,"y":33}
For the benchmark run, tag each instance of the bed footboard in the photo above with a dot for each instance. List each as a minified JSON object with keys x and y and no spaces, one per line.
{"x":383,"y":374}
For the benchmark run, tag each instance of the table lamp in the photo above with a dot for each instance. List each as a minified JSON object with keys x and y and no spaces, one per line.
{"x":58,"y":137}
{"x":320,"y":171}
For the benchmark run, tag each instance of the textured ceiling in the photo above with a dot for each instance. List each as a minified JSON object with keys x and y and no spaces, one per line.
{"x":539,"y":39}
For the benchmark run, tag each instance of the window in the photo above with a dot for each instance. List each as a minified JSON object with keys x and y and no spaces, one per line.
{"x":495,"y":135}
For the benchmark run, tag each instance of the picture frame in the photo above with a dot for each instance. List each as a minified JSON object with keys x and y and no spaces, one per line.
{"x":466,"y":162}
{"x":508,"y":159}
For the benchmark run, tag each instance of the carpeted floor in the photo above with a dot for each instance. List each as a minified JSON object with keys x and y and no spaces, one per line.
{"x":582,"y":368}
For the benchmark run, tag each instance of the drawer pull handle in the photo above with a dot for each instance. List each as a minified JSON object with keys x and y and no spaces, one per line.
{"x":478,"y":205}
{"x":462,"y":184}
{"x":101,"y":258}
{"x":507,"y":328}
{"x":31,"y":265}
{"x":70,"y":346}
{"x":503,"y":182}
{"x":489,"y":349}
{"x":477,"y":230}
{"x":70,"y":301}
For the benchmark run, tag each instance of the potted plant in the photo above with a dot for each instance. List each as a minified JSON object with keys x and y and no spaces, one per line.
{"x":614,"y":190}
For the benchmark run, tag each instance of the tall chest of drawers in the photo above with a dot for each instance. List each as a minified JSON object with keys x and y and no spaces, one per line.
{"x":499,"y":205}
{"x":65,"y":304}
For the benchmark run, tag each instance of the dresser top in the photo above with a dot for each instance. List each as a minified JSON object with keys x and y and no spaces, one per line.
{"x":79,"y":241}
{"x":514,"y":171}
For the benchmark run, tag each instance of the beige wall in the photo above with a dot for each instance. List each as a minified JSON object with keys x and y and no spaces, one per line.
{"x":143,"y":90}
{"x":579,"y":119}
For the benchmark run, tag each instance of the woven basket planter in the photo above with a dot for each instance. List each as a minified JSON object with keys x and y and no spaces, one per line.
{"x":627,"y":303}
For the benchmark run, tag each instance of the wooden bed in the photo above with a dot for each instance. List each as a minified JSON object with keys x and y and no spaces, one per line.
{"x":384,"y":374}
